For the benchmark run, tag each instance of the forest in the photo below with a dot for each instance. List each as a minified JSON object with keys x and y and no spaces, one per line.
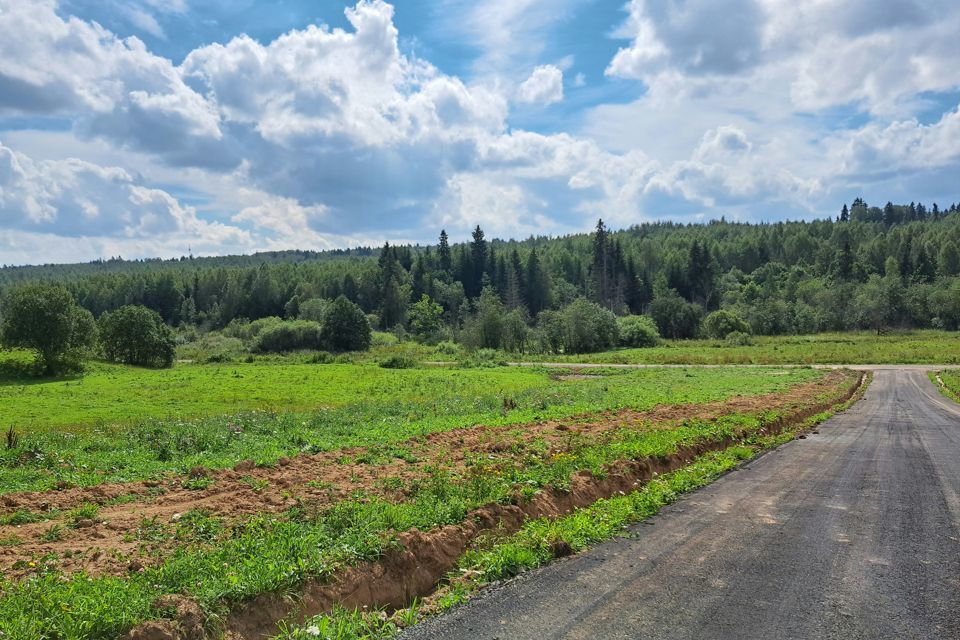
{"x":876,"y":268}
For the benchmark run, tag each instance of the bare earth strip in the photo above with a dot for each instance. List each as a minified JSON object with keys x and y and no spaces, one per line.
{"x":108,"y":544}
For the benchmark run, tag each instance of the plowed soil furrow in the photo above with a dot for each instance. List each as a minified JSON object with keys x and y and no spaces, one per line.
{"x":109,"y":543}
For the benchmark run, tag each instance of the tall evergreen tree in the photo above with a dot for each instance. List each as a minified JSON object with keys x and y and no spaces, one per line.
{"x":443,"y":254}
{"x":537,"y":284}
{"x":478,"y":260}
{"x":600,"y":268}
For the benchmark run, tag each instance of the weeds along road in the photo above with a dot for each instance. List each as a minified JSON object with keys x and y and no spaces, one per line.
{"x":853,"y":532}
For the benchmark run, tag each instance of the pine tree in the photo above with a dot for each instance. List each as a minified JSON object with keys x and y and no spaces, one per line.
{"x":889,"y":214}
{"x":512,"y":275}
{"x":349,"y":288}
{"x":844,"y":214}
{"x":478,"y":259}
{"x":537,"y":292}
{"x":600,"y":269}
{"x":699,"y":274}
{"x":443,"y":251}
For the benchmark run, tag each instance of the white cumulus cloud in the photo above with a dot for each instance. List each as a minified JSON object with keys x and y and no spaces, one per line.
{"x":544,"y":86}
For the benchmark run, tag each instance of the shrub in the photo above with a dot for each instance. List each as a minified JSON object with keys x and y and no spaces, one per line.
{"x":45,"y":319}
{"x":292,"y":335}
{"x":515,"y":331}
{"x":484,"y":328}
{"x":587,"y":327}
{"x":214,"y":347}
{"x":426,"y":320}
{"x":345,"y":327}
{"x":483,"y":358}
{"x":398,"y":362}
{"x":136,"y":335}
{"x":675,"y":317}
{"x":247,"y":331}
{"x":382,"y":339}
{"x":549,"y":332}
{"x":320,"y":357}
{"x":449,"y":348}
{"x":720,"y":324}
{"x":739,"y":339}
{"x":638,"y":331}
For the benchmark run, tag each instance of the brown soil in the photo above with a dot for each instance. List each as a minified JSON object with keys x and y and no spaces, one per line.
{"x":114,"y":542}
{"x":423,"y":559}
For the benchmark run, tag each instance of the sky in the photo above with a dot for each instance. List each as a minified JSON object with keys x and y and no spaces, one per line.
{"x":158,"y":128}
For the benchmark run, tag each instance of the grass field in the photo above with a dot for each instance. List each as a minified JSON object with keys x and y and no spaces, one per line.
{"x":913,"y":347}
{"x":121,"y":423}
{"x":82,"y":563}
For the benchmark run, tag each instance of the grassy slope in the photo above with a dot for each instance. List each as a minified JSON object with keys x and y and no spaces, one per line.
{"x":358,"y":405}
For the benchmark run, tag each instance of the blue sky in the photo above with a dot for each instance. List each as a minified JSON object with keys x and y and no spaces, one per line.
{"x":147,"y":127}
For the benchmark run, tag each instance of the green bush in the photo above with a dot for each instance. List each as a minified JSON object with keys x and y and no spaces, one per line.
{"x":739,"y":339}
{"x":449,"y":348}
{"x":638,"y":331}
{"x":483,"y":358}
{"x":483,"y":329}
{"x":382,"y":339}
{"x":675,"y":317}
{"x":213,"y":347}
{"x":426,"y":320}
{"x":295,"y":335}
{"x":247,"y":331}
{"x":398,"y":362}
{"x":45,"y":319}
{"x":720,"y":324}
{"x":580,"y":327}
{"x":345,"y":327}
{"x":136,"y":335}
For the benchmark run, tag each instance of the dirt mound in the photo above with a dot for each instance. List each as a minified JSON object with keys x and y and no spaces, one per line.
{"x":186,"y":622}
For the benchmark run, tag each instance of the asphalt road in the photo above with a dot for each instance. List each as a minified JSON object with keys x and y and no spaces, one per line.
{"x":853,"y":532}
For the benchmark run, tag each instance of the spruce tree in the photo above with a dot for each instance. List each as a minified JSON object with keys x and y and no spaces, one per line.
{"x":600,"y":269}
{"x":537,"y":284}
{"x":478,"y":260}
{"x":443,"y":251}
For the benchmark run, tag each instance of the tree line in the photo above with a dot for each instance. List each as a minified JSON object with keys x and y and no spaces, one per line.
{"x":869,"y":267}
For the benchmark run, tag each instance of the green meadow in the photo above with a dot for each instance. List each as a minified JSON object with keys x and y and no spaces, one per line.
{"x":118,"y":423}
{"x":860,"y":347}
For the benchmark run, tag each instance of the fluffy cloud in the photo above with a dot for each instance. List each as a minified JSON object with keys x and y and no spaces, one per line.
{"x":904,"y":146}
{"x":321,"y":84}
{"x":331,"y":136}
{"x":77,"y":198}
{"x":544,"y":86}
{"x":831,"y":52}
{"x":693,"y":36}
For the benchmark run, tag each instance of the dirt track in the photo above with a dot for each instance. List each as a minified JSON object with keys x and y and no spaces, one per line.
{"x":850,"y":533}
